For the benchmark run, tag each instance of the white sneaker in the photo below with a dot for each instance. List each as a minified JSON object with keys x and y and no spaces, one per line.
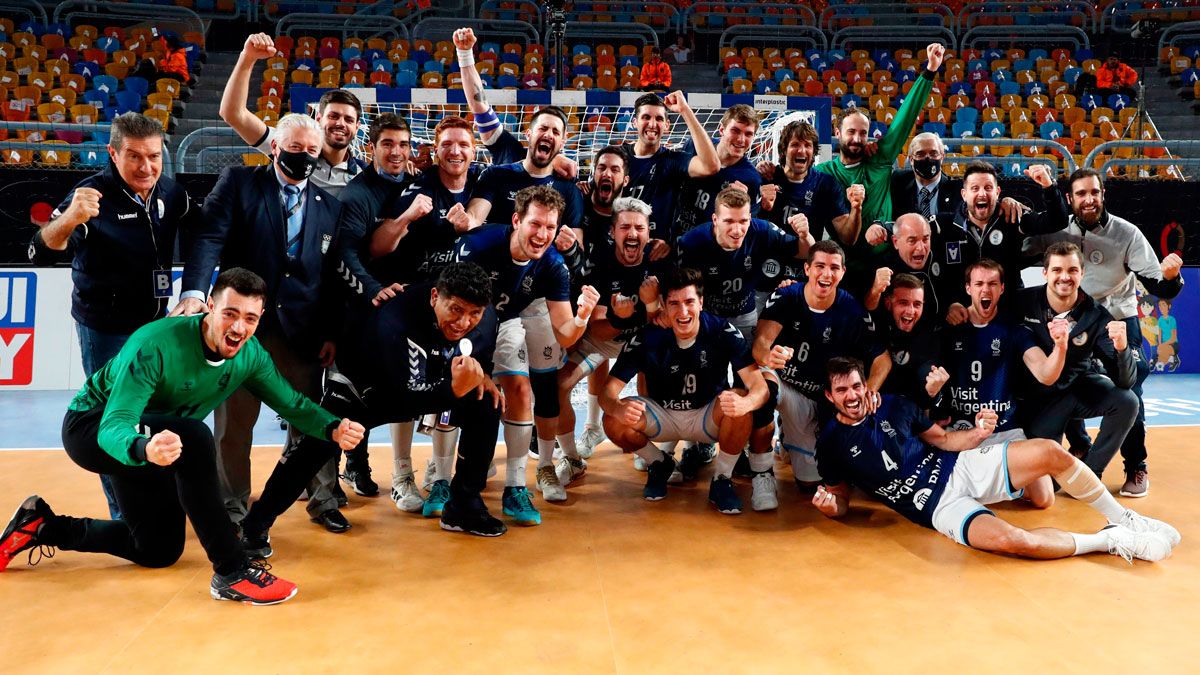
{"x":676,"y":476}
{"x":430,"y":475}
{"x":406,"y":495}
{"x":639,"y":464}
{"x":765,"y":494}
{"x":547,"y":483}
{"x":1150,"y":546}
{"x":569,"y":470}
{"x":1139,"y":523}
{"x":587,"y":442}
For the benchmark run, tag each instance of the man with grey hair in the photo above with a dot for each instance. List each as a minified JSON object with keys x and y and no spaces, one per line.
{"x":621,"y":269}
{"x":118,"y":229}
{"x":916,"y":189}
{"x":274,"y":221}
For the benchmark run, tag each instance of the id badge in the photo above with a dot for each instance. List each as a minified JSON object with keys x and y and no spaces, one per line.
{"x":162,"y":283}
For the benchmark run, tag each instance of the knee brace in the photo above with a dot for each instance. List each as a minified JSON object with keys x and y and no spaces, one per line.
{"x":545,"y":394}
{"x":765,"y":415}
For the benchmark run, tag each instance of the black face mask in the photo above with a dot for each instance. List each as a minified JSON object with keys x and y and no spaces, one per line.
{"x":296,"y":165}
{"x":927,"y":168}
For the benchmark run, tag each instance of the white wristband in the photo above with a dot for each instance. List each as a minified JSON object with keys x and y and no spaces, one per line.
{"x":580,"y":322}
{"x":466,"y":57}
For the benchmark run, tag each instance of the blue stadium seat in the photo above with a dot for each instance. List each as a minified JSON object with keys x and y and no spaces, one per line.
{"x":962,"y":129}
{"x":106,"y":83}
{"x":408,"y":66}
{"x":1118,"y":102}
{"x":735,"y":74}
{"x":877,"y":130}
{"x":1071,"y":74}
{"x":1090,"y":101}
{"x":128,"y":101}
{"x":108,"y":43}
{"x":934,"y":128}
{"x":581,"y":49}
{"x":1189,"y":76}
{"x":88,"y":69}
{"x":782,"y":74}
{"x":1023,"y":64}
{"x":961,"y":88}
{"x":1038,"y":53}
{"x":1002,"y":75}
{"x":137,"y":85}
{"x":383,"y":65}
{"x":968,"y":115}
{"x":432,"y":66}
{"x":1033,"y":88}
{"x":993,"y":130}
{"x":1051,"y":131}
{"x":1009,"y":87}
{"x":850,"y":101}
{"x":350,"y":53}
{"x":508,"y":81}
{"x":406,"y":78}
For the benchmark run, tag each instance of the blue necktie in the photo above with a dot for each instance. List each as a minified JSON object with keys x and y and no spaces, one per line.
{"x":294,"y":219}
{"x":926,"y":203}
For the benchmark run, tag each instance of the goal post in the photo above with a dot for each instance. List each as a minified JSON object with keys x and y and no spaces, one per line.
{"x":598,"y":118}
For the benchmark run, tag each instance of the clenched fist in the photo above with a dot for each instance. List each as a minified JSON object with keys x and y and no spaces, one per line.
{"x":259,"y":46}
{"x":85,"y":205}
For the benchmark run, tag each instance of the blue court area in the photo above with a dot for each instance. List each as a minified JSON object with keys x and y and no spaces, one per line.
{"x":33,"y":419}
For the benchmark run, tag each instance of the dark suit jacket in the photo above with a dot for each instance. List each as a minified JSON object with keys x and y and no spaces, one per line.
{"x":905,"y":194}
{"x":244,"y":226}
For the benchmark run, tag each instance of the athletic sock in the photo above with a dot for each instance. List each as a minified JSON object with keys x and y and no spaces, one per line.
{"x":402,"y":438}
{"x":593,"y":411}
{"x":444,"y":443}
{"x":516,"y":439}
{"x":545,"y":452}
{"x":651,"y":453}
{"x":567,"y":441}
{"x":1079,"y":482}
{"x":723,"y":465}
{"x":761,"y":461}
{"x":1090,"y":543}
{"x":668,"y":447}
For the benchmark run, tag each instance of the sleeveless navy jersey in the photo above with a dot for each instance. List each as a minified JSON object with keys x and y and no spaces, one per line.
{"x":845,"y":329}
{"x":884,"y":456}
{"x":731,"y":277}
{"x":819,"y":197}
{"x":609,"y":276}
{"x":684,"y":379}
{"x":514,"y":286}
{"x":658,"y":180}
{"x":500,"y":184}
{"x":697,"y":201}
{"x":429,"y":245}
{"x":984,"y":363}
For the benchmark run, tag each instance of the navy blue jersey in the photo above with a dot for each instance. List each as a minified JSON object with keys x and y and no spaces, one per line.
{"x":597,"y":233}
{"x":698,"y":199}
{"x":819,"y":197}
{"x":658,"y":181}
{"x":731,"y":277}
{"x":884,"y":456}
{"x":913,"y":355}
{"x":983,"y":362}
{"x":609,"y":276}
{"x":514,"y":285}
{"x":506,"y":148}
{"x":845,"y":329}
{"x":684,"y":379}
{"x":500,"y":184}
{"x":429,"y":245}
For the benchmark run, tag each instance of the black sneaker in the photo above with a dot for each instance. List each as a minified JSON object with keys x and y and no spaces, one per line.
{"x":340,"y":495}
{"x":473,"y":518}
{"x":257,"y":546}
{"x":722,"y":495}
{"x":253,"y":585}
{"x":21,"y":533}
{"x":695,"y":456}
{"x":657,"y":475}
{"x":359,"y":479}
{"x":742,"y":468}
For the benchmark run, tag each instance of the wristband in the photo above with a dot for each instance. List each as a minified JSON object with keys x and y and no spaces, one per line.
{"x":487,"y":120}
{"x":580,"y":322}
{"x":466,"y":57}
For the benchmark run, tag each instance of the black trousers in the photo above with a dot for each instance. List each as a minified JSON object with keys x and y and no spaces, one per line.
{"x":1090,"y":395}
{"x":154,"y":500}
{"x":479,"y":420}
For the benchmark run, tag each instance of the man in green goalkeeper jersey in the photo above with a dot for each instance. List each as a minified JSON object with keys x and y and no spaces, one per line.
{"x":140,"y":419}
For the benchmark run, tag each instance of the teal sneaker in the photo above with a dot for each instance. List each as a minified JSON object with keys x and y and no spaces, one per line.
{"x":439,"y":494}
{"x":519,"y":506}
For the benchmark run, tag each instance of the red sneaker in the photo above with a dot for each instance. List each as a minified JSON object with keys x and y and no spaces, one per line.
{"x":21,"y":534}
{"x":253,"y":585}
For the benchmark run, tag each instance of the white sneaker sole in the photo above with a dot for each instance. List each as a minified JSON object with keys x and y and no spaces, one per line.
{"x":1134,"y":495}
{"x":253,"y":603}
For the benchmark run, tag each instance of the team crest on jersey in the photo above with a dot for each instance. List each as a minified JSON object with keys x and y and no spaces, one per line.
{"x":920,"y":497}
{"x":900,"y":357}
{"x":996,"y":237}
{"x":953,"y":252}
{"x":808,"y":198}
{"x":527,"y":284}
{"x":521,"y":354}
{"x":887,"y":428}
{"x":188,"y":385}
{"x":547,"y":353}
{"x":703,"y":359}
{"x":747,"y":263}
{"x":996,"y":347}
{"x":1096,"y":257}
{"x":223,"y":382}
{"x":770,"y":269}
{"x":1079,"y":340}
{"x":326,"y":240}
{"x":675,"y":368}
{"x":936,"y":269}
{"x":827,"y":335}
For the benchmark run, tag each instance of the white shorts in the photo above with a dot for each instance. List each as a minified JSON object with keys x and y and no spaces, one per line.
{"x":527,"y":344}
{"x":980,"y":477}
{"x":680,"y":425}
{"x":589,"y":353}
{"x":798,"y":431}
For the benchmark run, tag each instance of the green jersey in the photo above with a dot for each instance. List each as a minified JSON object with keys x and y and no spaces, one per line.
{"x":875,"y":173}
{"x":163,"y":370}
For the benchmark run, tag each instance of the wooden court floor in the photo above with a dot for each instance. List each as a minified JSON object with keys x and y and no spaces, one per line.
{"x":612,"y":584}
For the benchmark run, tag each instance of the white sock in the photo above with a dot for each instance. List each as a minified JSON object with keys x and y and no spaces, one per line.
{"x":651,"y":453}
{"x":545,"y":452}
{"x":593,"y":411}
{"x":567,"y":441}
{"x":723,"y":465}
{"x":444,"y":443}
{"x":668,"y":447}
{"x":1090,"y":543}
{"x":761,"y":461}
{"x":516,"y":439}
{"x":402,"y":438}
